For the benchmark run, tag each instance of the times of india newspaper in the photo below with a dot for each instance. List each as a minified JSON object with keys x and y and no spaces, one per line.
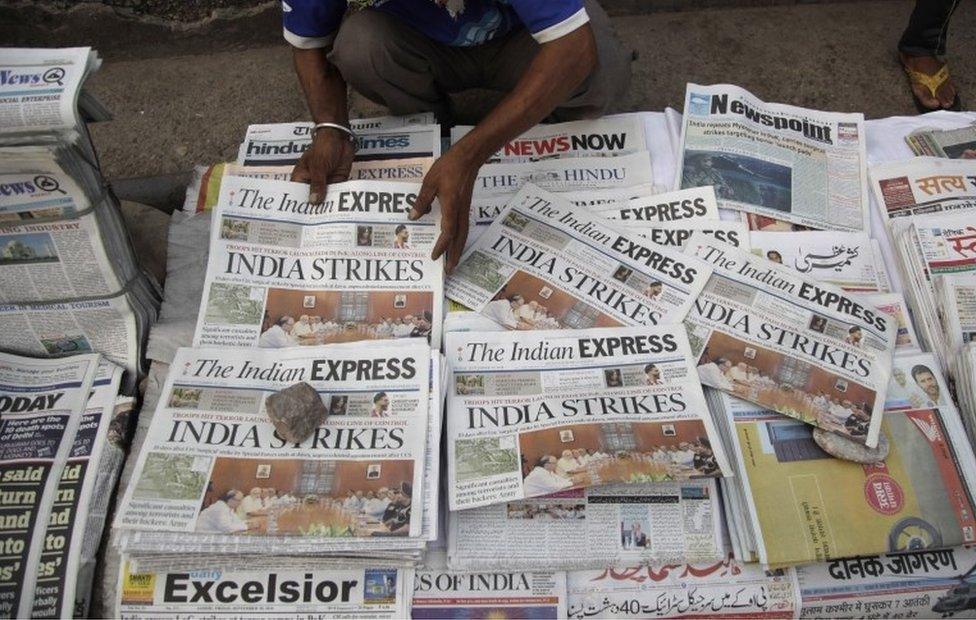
{"x":768,"y":334}
{"x":792,"y":164}
{"x":284,"y":272}
{"x":919,"y":497}
{"x":530,"y":414}
{"x":547,"y":264}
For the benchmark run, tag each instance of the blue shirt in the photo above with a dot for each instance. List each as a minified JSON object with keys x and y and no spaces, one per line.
{"x":314,"y":23}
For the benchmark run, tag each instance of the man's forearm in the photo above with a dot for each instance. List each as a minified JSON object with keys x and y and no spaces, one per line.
{"x":324,"y":88}
{"x":554,"y":74}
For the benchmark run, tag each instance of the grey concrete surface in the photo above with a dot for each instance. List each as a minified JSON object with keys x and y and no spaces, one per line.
{"x":176,"y":111}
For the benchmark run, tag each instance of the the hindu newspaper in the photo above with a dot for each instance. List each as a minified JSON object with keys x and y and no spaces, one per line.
{"x":39,"y":91}
{"x":226,"y":590}
{"x":927,"y":583}
{"x":497,"y":184}
{"x":959,"y":143}
{"x":213,"y":468}
{"x":42,"y":403}
{"x":284,"y":272}
{"x":60,"y":588}
{"x":603,"y":137}
{"x":956,"y":298}
{"x":442,"y":593}
{"x":546,"y":264}
{"x":610,"y":525}
{"x":766,"y":333}
{"x":792,"y":164}
{"x":529,"y":414}
{"x":281,"y":144}
{"x":919,"y":497}
{"x":726,"y":588}
{"x":923,"y":186}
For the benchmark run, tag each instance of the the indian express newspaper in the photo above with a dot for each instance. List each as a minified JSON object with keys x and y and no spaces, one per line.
{"x":531,"y":414}
{"x":213,"y":467}
{"x":41,"y":407}
{"x":609,"y":525}
{"x":546,"y":264}
{"x":723,"y":589}
{"x":793,"y":164}
{"x":283,"y":272}
{"x":927,"y":583}
{"x":806,"y":349}
{"x":224,"y":590}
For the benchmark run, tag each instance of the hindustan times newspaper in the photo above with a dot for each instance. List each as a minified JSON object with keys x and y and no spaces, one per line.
{"x":801,"y":166}
{"x":806,"y":349}
{"x":547,"y":264}
{"x":535,"y":413}
{"x":284,"y":272}
{"x":610,"y":525}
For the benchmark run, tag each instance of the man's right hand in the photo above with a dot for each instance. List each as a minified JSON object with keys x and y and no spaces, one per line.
{"x":328,"y":160}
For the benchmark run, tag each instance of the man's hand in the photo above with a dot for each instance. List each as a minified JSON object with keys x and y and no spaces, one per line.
{"x":328,"y":160}
{"x":450,"y":180}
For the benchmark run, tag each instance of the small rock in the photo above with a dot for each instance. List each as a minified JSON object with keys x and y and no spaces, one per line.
{"x":296,"y":411}
{"x":846,"y":449}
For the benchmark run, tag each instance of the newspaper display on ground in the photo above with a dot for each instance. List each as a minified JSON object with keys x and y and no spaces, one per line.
{"x":765,"y":333}
{"x":442,"y":593}
{"x":959,"y":143}
{"x":229,"y":591}
{"x":42,"y":403}
{"x":914,"y":584}
{"x":609,"y":525}
{"x":723,"y":589}
{"x":283,"y":272}
{"x":784,"y":162}
{"x":529,"y":414}
{"x":547,"y":264}
{"x":919,"y":497}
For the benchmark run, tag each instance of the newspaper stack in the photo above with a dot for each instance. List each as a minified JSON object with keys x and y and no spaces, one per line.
{"x":61,"y":452}
{"x":920,"y":497}
{"x":959,"y":143}
{"x":69,"y":278}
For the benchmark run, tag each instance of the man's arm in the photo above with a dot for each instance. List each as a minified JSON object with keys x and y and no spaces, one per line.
{"x":329,"y":158}
{"x":553,"y":75}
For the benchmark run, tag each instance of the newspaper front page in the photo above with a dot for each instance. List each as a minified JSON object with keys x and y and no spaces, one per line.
{"x":609,"y":525}
{"x":547,"y":264}
{"x":225,"y":591}
{"x":283,"y":272}
{"x":914,"y":584}
{"x":806,"y":349}
{"x":535,"y":413}
{"x":959,"y":143}
{"x":784,"y":162}
{"x":723,"y":589}
{"x":41,"y":407}
{"x":851,"y":261}
{"x":923,"y":186}
{"x":213,"y":465}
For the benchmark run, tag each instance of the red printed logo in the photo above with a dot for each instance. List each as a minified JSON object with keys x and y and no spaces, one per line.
{"x":884,"y":494}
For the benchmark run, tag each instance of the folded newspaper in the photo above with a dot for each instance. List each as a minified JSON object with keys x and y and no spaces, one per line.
{"x":957,"y":143}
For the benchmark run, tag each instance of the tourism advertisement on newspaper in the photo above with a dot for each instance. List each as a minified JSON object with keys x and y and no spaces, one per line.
{"x":768,"y":334}
{"x":546,"y":264}
{"x":284,"y":272}
{"x":535,"y":413}
{"x":791,"y":164}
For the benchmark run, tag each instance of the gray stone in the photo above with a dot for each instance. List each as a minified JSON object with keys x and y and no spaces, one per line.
{"x":296,"y":411}
{"x":846,"y":449}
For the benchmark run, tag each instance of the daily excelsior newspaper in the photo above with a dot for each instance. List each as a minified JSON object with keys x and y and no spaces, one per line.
{"x":723,"y":589}
{"x":213,"y":465}
{"x":530,"y":414}
{"x":284,"y":272}
{"x":789,"y":163}
{"x":803,"y":348}
{"x":546,"y":264}
{"x":42,"y":403}
{"x":609,"y":525}
{"x":226,"y":591}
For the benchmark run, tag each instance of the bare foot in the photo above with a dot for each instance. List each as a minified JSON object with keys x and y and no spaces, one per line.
{"x":930,"y":65}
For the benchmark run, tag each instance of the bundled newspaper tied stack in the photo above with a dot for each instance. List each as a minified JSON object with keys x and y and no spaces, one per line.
{"x":780,"y":166}
{"x":62,"y":424}
{"x":921,"y":496}
{"x":959,"y":143}
{"x":69,"y":279}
